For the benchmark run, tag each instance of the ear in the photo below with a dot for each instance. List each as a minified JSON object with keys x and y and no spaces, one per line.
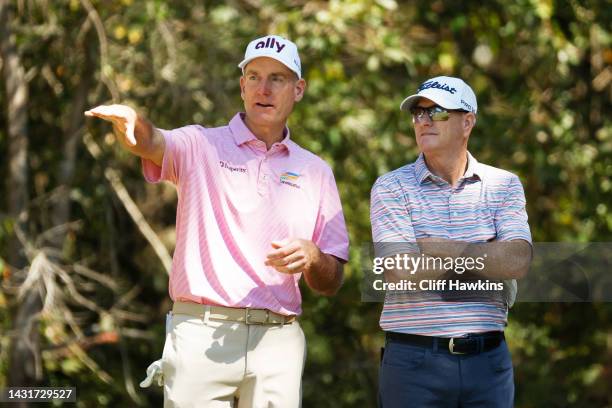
{"x":299,"y":89}
{"x":469,"y":121}
{"x":242,"y":87}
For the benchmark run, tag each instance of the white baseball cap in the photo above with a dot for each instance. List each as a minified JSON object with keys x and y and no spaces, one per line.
{"x":447,"y":92}
{"x":274,"y":46}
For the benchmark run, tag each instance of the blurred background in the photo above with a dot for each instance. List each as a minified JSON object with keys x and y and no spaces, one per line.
{"x":85,"y":243}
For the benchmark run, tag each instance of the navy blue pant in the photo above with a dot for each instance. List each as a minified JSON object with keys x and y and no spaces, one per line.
{"x":414,"y":376}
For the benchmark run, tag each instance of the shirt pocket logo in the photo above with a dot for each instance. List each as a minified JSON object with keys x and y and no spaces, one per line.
{"x":290,"y":178}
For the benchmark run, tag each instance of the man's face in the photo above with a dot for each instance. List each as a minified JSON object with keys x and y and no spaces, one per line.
{"x":269,"y":89}
{"x":445,"y":135}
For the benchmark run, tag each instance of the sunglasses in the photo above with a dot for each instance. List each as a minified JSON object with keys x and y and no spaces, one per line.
{"x":436,"y":113}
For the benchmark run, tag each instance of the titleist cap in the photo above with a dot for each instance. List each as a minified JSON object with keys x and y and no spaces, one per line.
{"x":447,"y":92}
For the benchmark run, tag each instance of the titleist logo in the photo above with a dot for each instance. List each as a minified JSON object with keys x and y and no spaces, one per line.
{"x":436,"y":85}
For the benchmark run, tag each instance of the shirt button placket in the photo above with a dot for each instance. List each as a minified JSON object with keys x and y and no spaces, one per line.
{"x":264,"y":176}
{"x":451,"y":210}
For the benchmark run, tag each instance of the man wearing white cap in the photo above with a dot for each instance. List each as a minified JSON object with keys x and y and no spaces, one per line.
{"x":445,"y":344}
{"x":255,"y":213}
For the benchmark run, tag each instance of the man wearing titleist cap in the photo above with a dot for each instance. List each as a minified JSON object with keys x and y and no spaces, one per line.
{"x":445,"y":344}
{"x":255,"y":213}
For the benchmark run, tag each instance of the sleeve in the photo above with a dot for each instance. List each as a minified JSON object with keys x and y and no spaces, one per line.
{"x":511,"y":217}
{"x":392,"y":229}
{"x":330,"y":233}
{"x":183,"y":147}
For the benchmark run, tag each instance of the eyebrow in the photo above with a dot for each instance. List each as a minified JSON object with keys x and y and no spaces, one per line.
{"x":278,"y":73}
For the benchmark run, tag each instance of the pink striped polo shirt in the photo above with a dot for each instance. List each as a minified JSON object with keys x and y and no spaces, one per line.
{"x":234,"y":198}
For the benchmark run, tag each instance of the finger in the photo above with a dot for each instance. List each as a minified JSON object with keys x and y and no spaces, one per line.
{"x":286,"y":260}
{"x":282,"y":252}
{"x":110,"y":111}
{"x":294,"y":267}
{"x":276,"y":263}
{"x":293,"y":257}
{"x":121,"y":129}
{"x":104,"y":110}
{"x":280,"y":243}
{"x":92,"y":113}
{"x":277,"y":254}
{"x":104,"y":116}
{"x":129,"y":134}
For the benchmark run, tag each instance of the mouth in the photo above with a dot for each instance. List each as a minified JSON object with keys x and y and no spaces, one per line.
{"x":264,"y":105}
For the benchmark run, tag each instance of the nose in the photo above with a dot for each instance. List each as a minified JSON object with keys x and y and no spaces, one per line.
{"x":264,"y":87}
{"x":424,"y":120}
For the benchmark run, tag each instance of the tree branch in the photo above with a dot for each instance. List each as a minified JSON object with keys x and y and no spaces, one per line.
{"x":143,"y":226}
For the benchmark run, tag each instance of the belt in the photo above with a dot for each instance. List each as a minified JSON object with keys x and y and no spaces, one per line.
{"x":471,"y":344}
{"x":244,"y":315}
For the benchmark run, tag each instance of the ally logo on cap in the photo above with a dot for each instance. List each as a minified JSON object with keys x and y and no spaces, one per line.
{"x":276,"y":47}
{"x":270,"y":42}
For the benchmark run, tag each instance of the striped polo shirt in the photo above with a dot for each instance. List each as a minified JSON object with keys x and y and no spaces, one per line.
{"x":412,"y":203}
{"x":235,"y":197}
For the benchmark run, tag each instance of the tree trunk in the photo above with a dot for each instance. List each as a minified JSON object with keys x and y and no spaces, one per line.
{"x":24,"y":365}
{"x":72,"y":134}
{"x":17,"y":101}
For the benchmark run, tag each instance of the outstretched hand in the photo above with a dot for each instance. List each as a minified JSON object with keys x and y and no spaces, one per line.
{"x":122,"y":117}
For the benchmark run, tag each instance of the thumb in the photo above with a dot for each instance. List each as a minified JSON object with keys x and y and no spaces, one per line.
{"x":129,"y":133}
{"x":279,"y":243}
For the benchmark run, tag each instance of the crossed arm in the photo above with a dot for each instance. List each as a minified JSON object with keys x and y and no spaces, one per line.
{"x":502,"y":260}
{"x":507,"y":259}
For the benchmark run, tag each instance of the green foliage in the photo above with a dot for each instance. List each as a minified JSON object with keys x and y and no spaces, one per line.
{"x":541,"y":71}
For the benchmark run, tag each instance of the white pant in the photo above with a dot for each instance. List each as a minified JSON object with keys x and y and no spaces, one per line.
{"x":210,"y":364}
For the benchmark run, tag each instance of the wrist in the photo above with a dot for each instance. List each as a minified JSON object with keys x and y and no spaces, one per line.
{"x":318,"y":259}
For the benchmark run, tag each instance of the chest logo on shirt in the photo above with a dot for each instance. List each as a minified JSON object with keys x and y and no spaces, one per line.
{"x":290,"y":178}
{"x":232,"y":168}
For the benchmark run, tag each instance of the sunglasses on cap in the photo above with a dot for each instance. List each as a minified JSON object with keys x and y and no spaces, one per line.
{"x":436,"y":113}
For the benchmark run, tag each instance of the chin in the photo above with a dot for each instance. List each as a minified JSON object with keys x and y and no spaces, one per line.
{"x":427,"y":148}
{"x":258,"y":116}
{"x":265,"y":120}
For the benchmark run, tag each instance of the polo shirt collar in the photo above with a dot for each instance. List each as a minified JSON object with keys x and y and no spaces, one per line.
{"x":242,"y":134}
{"x":420,"y":169}
{"x":422,"y":172}
{"x":473,"y":169}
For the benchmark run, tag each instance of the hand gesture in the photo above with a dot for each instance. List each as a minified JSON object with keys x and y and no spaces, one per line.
{"x":293,"y":256}
{"x":122,"y":117}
